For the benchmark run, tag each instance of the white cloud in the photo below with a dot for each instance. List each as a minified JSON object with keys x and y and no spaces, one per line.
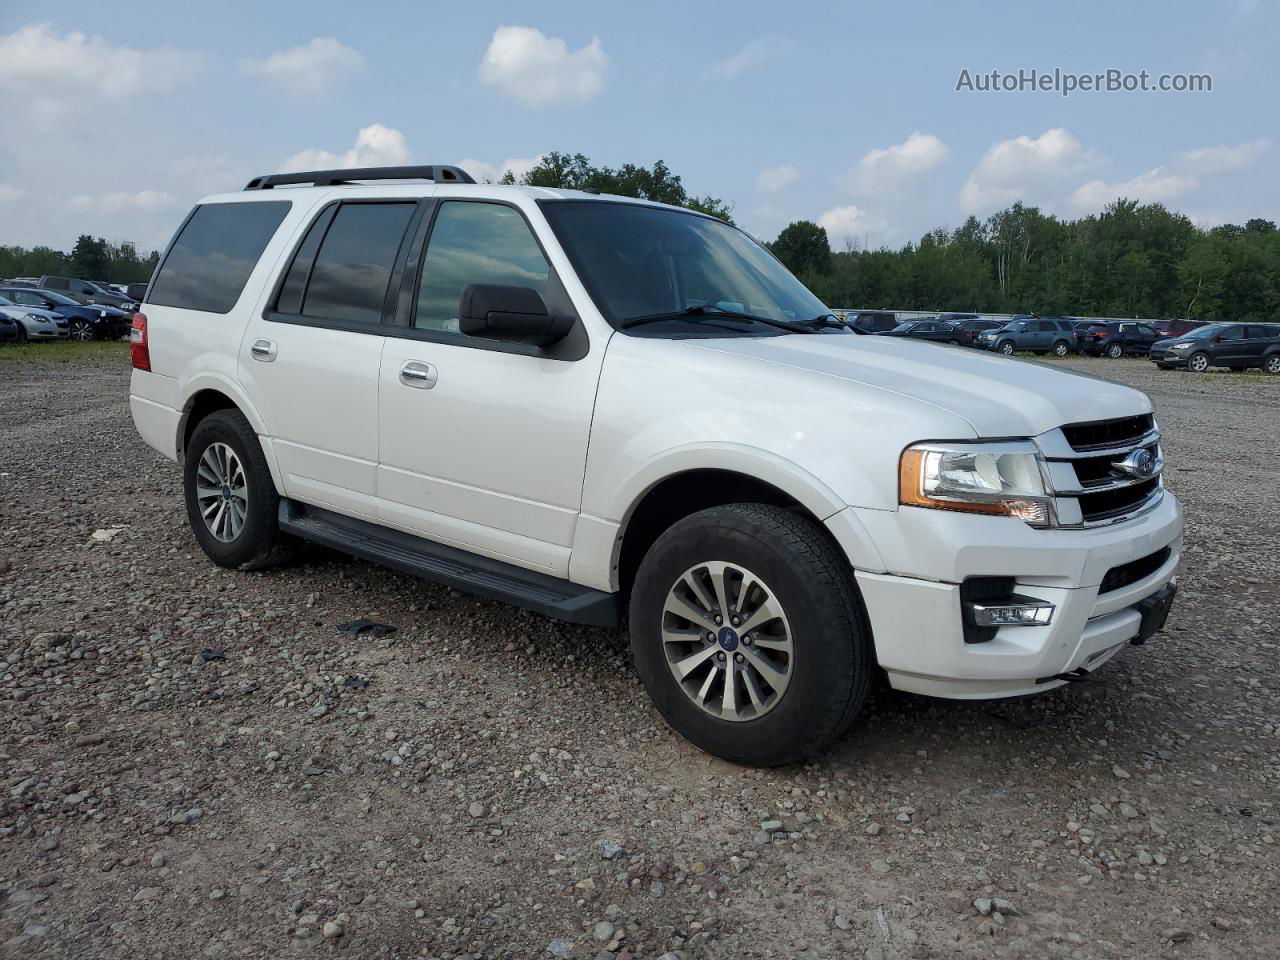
{"x":850,"y":224}
{"x":49,"y":74}
{"x":1026,"y":169}
{"x":773,"y":179}
{"x":758,"y":53}
{"x":119,"y":202}
{"x":9,"y":193}
{"x":892,"y":168}
{"x":1155,"y":186}
{"x":483,"y":171}
{"x":539,"y":70}
{"x":1224,"y":159}
{"x":319,"y":65}
{"x":375,"y":146}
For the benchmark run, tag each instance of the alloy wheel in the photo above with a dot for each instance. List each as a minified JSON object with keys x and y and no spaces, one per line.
{"x":1199,"y":363}
{"x":222,"y":491}
{"x":81,"y":330}
{"x":727,"y":641}
{"x":1273,"y":363}
{"x":1006,"y":348}
{"x":1059,"y":349}
{"x":1115,"y":351}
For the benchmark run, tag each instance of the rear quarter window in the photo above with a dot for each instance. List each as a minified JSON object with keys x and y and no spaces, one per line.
{"x":210,"y":260}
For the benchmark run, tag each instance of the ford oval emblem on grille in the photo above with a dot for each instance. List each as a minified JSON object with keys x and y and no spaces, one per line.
{"x":1141,"y":463}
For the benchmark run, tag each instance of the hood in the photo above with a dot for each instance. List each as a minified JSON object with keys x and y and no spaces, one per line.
{"x":998,"y":396}
{"x":22,"y":310}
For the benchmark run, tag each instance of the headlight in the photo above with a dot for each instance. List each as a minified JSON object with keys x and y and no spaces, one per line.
{"x":1006,"y":479}
{"x":36,"y":317}
{"x":1181,"y":346}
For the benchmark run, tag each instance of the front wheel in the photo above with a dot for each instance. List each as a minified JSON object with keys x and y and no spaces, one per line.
{"x":1272,"y":364}
{"x":81,"y":330}
{"x":1115,"y":351}
{"x":748,"y":634}
{"x":1060,"y":349}
{"x":1007,"y":348}
{"x":1198,"y":362}
{"x":231,"y":499}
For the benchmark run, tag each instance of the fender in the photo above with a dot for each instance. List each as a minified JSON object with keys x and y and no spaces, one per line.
{"x":219,"y":382}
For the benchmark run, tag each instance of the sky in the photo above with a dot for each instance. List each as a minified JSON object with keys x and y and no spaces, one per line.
{"x":119,"y":116}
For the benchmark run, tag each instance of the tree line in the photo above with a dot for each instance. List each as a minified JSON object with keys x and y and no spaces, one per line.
{"x":1130,"y":260}
{"x":92,"y":258}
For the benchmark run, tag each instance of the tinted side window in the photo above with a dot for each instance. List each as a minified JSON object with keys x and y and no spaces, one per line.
{"x":1232,"y":333}
{"x":1258,"y":333}
{"x":352,"y":269}
{"x":295,"y":282}
{"x":475,"y":243}
{"x":211,"y":259}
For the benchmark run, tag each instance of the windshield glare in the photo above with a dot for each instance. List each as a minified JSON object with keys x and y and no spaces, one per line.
{"x":1199,"y":333}
{"x":638,"y":261}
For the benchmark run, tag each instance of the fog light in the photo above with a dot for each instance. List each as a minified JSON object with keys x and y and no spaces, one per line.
{"x":1012,"y":611}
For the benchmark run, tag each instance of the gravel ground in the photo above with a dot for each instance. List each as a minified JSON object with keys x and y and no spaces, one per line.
{"x":198,"y":762}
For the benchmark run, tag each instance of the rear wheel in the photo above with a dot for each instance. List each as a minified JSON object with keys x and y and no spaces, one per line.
{"x":1115,"y":351}
{"x":749,"y":635}
{"x":1272,"y":364}
{"x":1060,"y":349}
{"x":231,"y":499}
{"x":1198,"y":362}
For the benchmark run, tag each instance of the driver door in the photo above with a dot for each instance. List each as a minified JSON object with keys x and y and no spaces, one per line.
{"x":483,"y":444}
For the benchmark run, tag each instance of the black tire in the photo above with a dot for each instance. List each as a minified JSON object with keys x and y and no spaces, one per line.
{"x":1198,"y":362}
{"x":1061,"y":348}
{"x":22,"y":333}
{"x":259,"y":544}
{"x":81,"y":330}
{"x":1006,"y":348}
{"x":1115,"y":351}
{"x":833,"y":663}
{"x":954,"y":343}
{"x":1271,"y":364}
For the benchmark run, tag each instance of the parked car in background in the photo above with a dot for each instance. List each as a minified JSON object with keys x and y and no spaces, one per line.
{"x":33,"y":322}
{"x":1177,"y":328}
{"x":1117,"y":338}
{"x":1237,"y":346}
{"x":86,"y":291}
{"x":1038,"y":335}
{"x":969,"y":330}
{"x":8,"y":329}
{"x":85,"y":321}
{"x":955,"y":318}
{"x":136,"y":291}
{"x":925,"y":328}
{"x":872,"y":321}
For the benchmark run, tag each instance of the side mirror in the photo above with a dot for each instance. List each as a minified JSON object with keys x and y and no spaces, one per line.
{"x":510,"y":314}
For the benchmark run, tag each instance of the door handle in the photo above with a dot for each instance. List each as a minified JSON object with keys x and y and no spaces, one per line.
{"x":263,"y":350}
{"x":415,"y":373}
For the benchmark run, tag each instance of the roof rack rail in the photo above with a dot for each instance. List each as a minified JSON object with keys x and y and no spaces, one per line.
{"x":439,"y":172}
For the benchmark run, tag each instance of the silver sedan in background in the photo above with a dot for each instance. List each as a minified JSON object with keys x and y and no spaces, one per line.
{"x":34,"y":323}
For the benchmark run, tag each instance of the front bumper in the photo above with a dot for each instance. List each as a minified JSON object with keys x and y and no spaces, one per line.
{"x":915,"y":607}
{"x":1167,"y":358}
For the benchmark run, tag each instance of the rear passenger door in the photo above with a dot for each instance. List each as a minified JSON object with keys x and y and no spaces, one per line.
{"x":311,"y":360}
{"x":483,"y":443}
{"x":1257,"y":339}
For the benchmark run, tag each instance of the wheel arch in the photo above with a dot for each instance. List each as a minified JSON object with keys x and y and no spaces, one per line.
{"x":212,"y":393}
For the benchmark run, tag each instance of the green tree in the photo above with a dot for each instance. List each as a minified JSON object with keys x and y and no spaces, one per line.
{"x":804,"y":248}
{"x":657,"y":183}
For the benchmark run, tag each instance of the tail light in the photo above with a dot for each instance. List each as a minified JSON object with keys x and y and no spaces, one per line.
{"x":139,"y":352}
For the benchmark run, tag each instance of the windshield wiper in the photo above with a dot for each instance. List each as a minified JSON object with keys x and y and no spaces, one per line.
{"x":706,"y":310}
{"x":827,"y":320}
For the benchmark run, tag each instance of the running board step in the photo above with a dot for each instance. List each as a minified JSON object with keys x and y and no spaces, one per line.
{"x":448,"y":565}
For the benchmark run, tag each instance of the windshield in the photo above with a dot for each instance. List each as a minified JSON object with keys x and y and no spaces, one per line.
{"x":1199,"y":333}
{"x":6,"y":301}
{"x":904,"y":327}
{"x":641,"y":261}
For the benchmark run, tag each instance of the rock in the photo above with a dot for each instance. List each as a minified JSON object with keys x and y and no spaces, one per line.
{"x":1175,"y":934}
{"x":842,"y":922}
{"x":332,"y":930}
{"x":147,"y":893}
{"x":657,"y":888}
{"x":771,"y":826}
{"x":477,"y":809}
{"x":560,"y":948}
{"x":1128,"y":810}
{"x":1005,"y":907}
{"x":603,"y":931}
{"x":984,"y":906}
{"x":880,"y":866}
{"x":610,"y":849}
{"x":192,"y":815}
{"x":873,"y":829}
{"x":1120,"y":772}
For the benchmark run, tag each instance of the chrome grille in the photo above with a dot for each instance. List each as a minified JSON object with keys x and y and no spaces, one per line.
{"x":1096,"y":470}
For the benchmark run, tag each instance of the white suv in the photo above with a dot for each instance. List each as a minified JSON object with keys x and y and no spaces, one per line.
{"x":607,"y":409}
